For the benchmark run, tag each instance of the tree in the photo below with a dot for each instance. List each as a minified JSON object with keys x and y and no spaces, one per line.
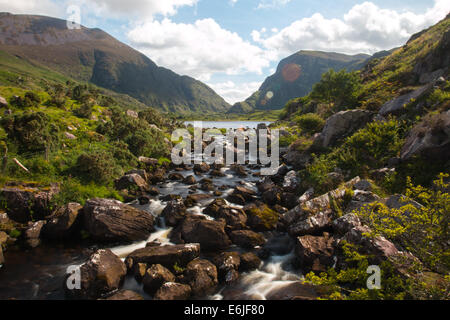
{"x":339,"y":89}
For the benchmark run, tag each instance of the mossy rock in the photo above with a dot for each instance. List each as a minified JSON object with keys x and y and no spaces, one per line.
{"x":261,"y":217}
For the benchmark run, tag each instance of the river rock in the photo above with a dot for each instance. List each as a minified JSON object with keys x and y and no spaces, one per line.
{"x":64,"y":222}
{"x":110,"y":220}
{"x":260,"y":217}
{"x":175,"y":176}
{"x":167,"y":256}
{"x":247,"y":238}
{"x":249,"y":261}
{"x":26,"y":202}
{"x":201,"y":276}
{"x":33,"y":232}
{"x":189,"y":180}
{"x":201,"y":167}
{"x":210,"y":234}
{"x":174,"y":212}
{"x":103,"y":273}
{"x":155,"y":277}
{"x":227,"y":264}
{"x":125,"y":295}
{"x":173,"y":291}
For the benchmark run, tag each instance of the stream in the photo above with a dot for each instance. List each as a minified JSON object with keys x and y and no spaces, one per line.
{"x":38,"y":273}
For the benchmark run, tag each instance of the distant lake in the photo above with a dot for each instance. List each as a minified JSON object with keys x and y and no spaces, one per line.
{"x":229,"y":124}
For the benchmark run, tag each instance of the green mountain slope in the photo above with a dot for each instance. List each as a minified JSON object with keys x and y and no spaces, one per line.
{"x":93,"y":55}
{"x":295,"y":77}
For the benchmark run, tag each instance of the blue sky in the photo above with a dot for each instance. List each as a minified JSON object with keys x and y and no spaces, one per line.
{"x":233,"y":45}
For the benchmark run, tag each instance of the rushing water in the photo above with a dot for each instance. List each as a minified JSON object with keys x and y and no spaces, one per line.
{"x":39,"y":273}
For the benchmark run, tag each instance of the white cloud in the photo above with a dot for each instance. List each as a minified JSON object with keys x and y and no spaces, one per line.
{"x":265,"y":4}
{"x":235,"y":92}
{"x":38,"y":7}
{"x":365,"y":28}
{"x":233,"y":2}
{"x":142,"y":8}
{"x":199,"y":49}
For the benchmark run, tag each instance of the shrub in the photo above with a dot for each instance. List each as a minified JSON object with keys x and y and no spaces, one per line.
{"x":73,"y":190}
{"x":310,"y":123}
{"x":421,"y":230}
{"x":98,"y":166}
{"x":84,"y":111}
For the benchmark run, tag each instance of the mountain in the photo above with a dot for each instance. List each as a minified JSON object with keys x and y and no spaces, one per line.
{"x":295,"y":77}
{"x":94,"y":56}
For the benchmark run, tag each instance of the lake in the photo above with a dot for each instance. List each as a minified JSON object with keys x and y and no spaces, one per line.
{"x":229,"y":124}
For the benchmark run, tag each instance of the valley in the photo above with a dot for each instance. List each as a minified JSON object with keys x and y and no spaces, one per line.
{"x":88,"y":183}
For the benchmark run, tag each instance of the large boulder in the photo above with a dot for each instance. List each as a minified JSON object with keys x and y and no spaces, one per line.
{"x":103,"y":273}
{"x":315,"y":253}
{"x":260,"y":217}
{"x":173,"y":291}
{"x":210,"y":234}
{"x":430,"y":138}
{"x":63,"y":223}
{"x":314,"y":216}
{"x":155,"y":277}
{"x":249,"y":261}
{"x":27,"y":202}
{"x":343,"y":124}
{"x":110,"y":220}
{"x":296,"y":158}
{"x":247,"y":238}
{"x":397,"y":105}
{"x":201,"y":276}
{"x":167,"y":256}
{"x":235,"y":218}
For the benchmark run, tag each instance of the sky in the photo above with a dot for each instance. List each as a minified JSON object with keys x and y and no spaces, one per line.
{"x":233,"y":45}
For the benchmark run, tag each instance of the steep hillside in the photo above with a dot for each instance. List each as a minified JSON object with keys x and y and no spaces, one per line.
{"x":295,"y":77}
{"x":93,"y":55}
